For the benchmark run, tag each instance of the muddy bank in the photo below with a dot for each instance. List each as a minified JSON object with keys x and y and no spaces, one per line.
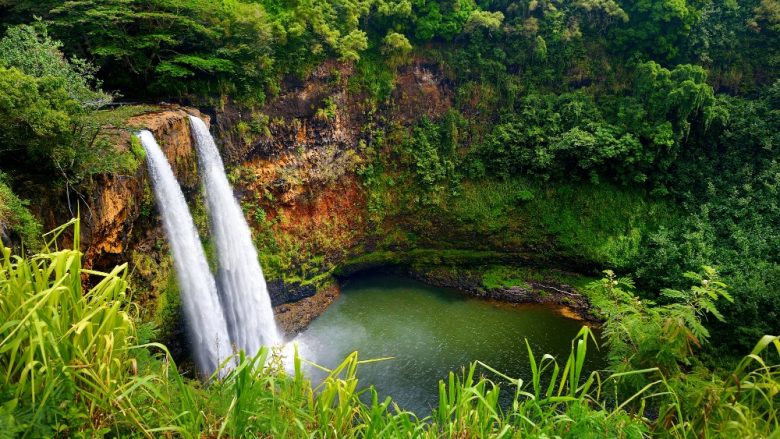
{"x":547,"y":292}
{"x":294,"y":317}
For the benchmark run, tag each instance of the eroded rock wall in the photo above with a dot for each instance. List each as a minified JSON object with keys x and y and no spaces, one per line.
{"x":113,"y":225}
{"x":296,"y":165}
{"x":296,"y":162}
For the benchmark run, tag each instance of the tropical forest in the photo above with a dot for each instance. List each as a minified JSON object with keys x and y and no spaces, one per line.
{"x":390,"y":219}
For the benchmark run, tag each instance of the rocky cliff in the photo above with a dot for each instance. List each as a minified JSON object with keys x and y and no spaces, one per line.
{"x":298,"y":166}
{"x":114,"y":225}
{"x":299,"y":162}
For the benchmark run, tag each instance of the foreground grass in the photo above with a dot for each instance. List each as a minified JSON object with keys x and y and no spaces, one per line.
{"x":76,"y":363}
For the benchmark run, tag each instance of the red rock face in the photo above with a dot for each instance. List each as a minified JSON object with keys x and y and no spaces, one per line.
{"x":420,"y":92}
{"x":108,"y":225}
{"x":299,"y":164}
{"x":296,"y":158}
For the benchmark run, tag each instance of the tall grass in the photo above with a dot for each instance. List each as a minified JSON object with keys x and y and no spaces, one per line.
{"x":58,"y":342}
{"x":74,"y":362}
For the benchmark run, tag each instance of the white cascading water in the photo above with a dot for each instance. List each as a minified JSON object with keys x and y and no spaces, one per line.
{"x":207,"y":327}
{"x":242,"y":286}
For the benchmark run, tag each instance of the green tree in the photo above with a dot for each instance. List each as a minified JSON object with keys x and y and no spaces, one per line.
{"x":37,"y":116}
{"x":171,"y":47}
{"x":661,"y":110}
{"x":441,"y":19}
{"x":656,"y":29}
{"x":48,"y":110}
{"x":396,"y":47}
{"x":490,"y":21}
{"x":31,"y":50}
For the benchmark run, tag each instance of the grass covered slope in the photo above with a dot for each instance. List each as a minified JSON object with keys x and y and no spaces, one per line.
{"x":76,"y":362}
{"x":587,"y":222}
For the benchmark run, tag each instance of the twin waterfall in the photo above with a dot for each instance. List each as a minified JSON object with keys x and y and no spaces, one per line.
{"x":246,"y":303}
{"x":234,"y":313}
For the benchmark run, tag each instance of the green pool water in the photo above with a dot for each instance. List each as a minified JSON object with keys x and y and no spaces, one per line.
{"x":430,"y":331}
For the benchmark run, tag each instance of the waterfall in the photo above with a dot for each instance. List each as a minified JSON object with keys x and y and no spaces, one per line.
{"x":247,"y":305}
{"x":207,"y":326}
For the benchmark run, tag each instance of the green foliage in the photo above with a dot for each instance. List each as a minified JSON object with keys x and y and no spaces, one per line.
{"x":511,"y":275}
{"x":65,"y":356}
{"x":372,"y":77}
{"x":657,"y":28}
{"x":441,"y":19}
{"x":198,"y":48}
{"x":37,"y":114}
{"x":327,"y":111}
{"x":603,"y":224}
{"x":16,"y":221}
{"x":243,"y":47}
{"x":430,"y":151}
{"x":491,"y":204}
{"x":137,"y":149}
{"x":551,"y":135}
{"x":726,"y":183}
{"x":49,"y":110}
{"x":396,"y":47}
{"x":29,"y":49}
{"x":175,"y":47}
{"x":489,"y":21}
{"x":641,"y":335}
{"x":502,"y":277}
{"x":662,"y":339}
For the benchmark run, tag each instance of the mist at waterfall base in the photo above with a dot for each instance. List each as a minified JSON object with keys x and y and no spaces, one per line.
{"x":245,"y":300}
{"x":205,"y":323}
{"x":430,"y":331}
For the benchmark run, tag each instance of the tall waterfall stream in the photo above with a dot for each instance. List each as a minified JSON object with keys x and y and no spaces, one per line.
{"x":200,"y":301}
{"x":242,"y":287}
{"x":234,"y":312}
{"x":427,"y":331}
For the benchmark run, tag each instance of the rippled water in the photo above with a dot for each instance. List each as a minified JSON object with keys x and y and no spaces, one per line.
{"x":430,"y":331}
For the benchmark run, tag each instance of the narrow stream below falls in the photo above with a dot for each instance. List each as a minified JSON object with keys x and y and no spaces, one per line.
{"x":430,"y":331}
